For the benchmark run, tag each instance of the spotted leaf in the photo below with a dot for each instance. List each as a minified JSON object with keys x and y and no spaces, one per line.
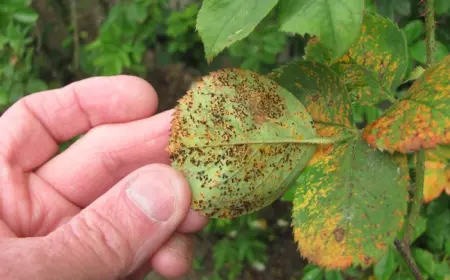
{"x":336,"y":23}
{"x":375,"y":65}
{"x":349,"y":206}
{"x":239,"y":138}
{"x":325,"y":98}
{"x":437,"y":173}
{"x":421,"y":119}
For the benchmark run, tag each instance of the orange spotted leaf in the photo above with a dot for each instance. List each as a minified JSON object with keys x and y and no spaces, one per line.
{"x":375,"y":65}
{"x":239,"y":138}
{"x":421,"y":119}
{"x":349,"y":206}
{"x":437,"y":173}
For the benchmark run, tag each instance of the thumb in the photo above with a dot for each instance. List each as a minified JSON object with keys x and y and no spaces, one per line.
{"x":122,"y":229}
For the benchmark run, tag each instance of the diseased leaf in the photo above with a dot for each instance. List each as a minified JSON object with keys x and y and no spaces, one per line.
{"x":339,"y":195}
{"x":336,"y":23}
{"x":374,"y":65}
{"x":220,"y":23}
{"x":421,"y":119}
{"x":349,"y":206}
{"x":323,"y":94}
{"x":237,"y":137}
{"x":437,"y":173}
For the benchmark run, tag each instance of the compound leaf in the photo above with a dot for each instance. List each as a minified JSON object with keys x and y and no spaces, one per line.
{"x":238,"y":138}
{"x":220,"y":23}
{"x":374,"y":65}
{"x":421,"y":119}
{"x":349,"y":206}
{"x":437,"y":173}
{"x":336,"y":23}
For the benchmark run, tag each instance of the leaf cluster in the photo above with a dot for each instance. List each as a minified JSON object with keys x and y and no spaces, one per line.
{"x":351,"y":200}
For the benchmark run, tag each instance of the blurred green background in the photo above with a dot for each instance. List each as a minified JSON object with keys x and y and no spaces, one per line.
{"x":47,"y":44}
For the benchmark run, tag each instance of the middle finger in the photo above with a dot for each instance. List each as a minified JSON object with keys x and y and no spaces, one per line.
{"x":105,"y":155}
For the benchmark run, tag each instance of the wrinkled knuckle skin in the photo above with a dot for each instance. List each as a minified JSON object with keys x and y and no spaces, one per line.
{"x":95,"y":237}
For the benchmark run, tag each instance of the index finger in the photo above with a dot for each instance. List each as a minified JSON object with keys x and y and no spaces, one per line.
{"x":33,"y":127}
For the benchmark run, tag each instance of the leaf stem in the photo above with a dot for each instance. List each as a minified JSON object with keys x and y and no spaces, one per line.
{"x":430,"y":26}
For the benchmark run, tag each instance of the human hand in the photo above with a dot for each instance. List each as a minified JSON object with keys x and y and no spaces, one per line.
{"x":105,"y":208}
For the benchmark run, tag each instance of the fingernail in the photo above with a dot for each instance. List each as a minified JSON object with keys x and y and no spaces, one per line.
{"x":154,"y":194}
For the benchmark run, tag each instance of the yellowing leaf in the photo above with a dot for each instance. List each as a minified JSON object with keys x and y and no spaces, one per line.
{"x":239,"y":138}
{"x":349,"y":206}
{"x":374,"y":65}
{"x":324,"y":96}
{"x":421,"y":119}
{"x":437,"y":173}
{"x":351,"y":199}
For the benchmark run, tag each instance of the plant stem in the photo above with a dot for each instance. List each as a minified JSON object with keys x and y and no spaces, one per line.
{"x":76,"y":42}
{"x":406,"y":253}
{"x":430,"y":25}
{"x":404,"y":246}
{"x":414,"y":213}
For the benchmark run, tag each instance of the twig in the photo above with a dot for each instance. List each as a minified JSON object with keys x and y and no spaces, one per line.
{"x":406,"y":253}
{"x":414,"y":213}
{"x":430,"y":26}
{"x":76,"y":42}
{"x":404,"y":246}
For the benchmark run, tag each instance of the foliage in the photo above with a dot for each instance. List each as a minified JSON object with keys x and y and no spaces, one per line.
{"x":352,"y":200}
{"x":131,"y":23}
{"x":241,"y":243}
{"x":17,"y":74}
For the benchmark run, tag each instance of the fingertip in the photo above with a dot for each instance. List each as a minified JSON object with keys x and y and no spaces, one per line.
{"x":142,"y":91}
{"x":193,"y":222}
{"x":174,"y":259}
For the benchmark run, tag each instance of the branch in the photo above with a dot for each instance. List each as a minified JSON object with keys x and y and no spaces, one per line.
{"x":430,"y":26}
{"x":404,"y":246}
{"x":406,"y":254}
{"x":76,"y":42}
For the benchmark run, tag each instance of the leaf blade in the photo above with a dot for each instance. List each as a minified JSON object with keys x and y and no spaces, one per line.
{"x":235,"y":106}
{"x":336,"y":23}
{"x":345,"y":210}
{"x":421,"y":119}
{"x":221,"y":23}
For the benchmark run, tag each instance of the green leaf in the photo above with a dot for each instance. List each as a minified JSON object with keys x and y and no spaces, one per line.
{"x":420,"y":119}
{"x":425,"y":261}
{"x":26,"y":16}
{"x":375,"y":65}
{"x":413,"y":31}
{"x":384,"y":269}
{"x":220,"y":23}
{"x":336,"y":23}
{"x":240,"y":140}
{"x":349,"y":206}
{"x":418,"y":51}
{"x":386,"y":8}
{"x":441,"y":7}
{"x":313,"y":274}
{"x":3,"y":97}
{"x":333,"y":275}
